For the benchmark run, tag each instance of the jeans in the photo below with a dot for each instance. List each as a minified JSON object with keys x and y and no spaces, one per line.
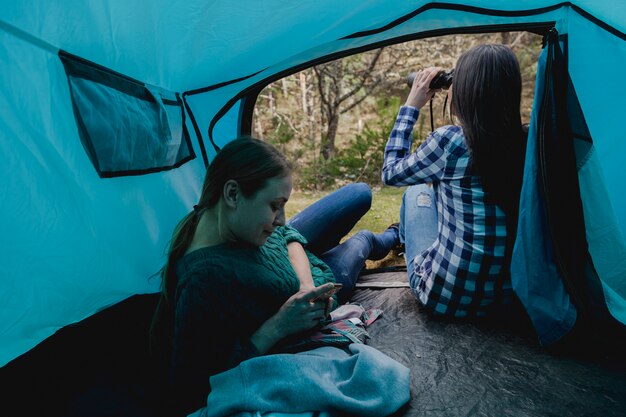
{"x":325,"y":222}
{"x":418,"y":222}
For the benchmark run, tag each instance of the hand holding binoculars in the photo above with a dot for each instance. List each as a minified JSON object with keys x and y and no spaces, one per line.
{"x":442,"y":80}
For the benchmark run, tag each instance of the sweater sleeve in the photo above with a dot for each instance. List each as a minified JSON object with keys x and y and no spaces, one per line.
{"x":292,"y":235}
{"x":211,"y":335}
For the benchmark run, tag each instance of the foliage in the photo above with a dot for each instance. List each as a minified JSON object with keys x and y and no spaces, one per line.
{"x":362,"y":157}
{"x":283,"y":135}
{"x":321,"y":174}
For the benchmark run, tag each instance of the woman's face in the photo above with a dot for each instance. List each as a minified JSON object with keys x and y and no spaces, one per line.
{"x":257,"y":216}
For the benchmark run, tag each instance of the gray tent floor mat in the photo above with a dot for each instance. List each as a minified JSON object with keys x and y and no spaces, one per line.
{"x":492,"y":367}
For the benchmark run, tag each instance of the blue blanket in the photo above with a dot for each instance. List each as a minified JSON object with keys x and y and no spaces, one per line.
{"x":363,"y":382}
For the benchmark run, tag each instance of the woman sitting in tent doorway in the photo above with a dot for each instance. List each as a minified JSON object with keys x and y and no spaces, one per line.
{"x":240,"y":278}
{"x":458,"y":218}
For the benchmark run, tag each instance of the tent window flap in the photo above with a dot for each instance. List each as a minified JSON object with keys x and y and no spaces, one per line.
{"x":126,"y":127}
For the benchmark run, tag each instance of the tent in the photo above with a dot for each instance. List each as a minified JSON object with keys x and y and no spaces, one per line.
{"x":111,"y":111}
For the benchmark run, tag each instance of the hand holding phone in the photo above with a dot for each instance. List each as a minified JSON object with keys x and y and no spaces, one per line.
{"x":334,"y":290}
{"x":330,"y":302}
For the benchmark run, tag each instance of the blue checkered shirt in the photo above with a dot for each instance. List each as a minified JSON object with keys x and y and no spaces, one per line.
{"x":461,"y":273}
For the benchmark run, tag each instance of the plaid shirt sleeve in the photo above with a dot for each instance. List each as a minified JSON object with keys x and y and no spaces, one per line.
{"x":401,"y":167}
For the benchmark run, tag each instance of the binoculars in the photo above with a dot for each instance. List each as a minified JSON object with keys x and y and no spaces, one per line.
{"x":443,"y":79}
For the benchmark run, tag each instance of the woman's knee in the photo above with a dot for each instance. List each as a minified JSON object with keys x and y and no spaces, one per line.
{"x":414,"y":191}
{"x":418,"y":196}
{"x":361,"y":195}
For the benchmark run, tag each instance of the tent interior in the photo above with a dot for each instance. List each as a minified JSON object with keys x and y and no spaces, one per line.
{"x":87,"y":212}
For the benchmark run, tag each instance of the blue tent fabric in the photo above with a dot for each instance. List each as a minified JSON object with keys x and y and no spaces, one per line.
{"x":606,"y":242}
{"x":77,"y":243}
{"x":552,"y":270}
{"x":534,"y":274}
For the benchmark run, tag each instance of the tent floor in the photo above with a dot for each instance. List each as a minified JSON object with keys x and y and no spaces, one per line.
{"x":495,"y":367}
{"x":491,"y":367}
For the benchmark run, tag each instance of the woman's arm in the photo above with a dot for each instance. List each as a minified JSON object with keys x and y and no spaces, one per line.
{"x":400,"y":166}
{"x":300,"y":262}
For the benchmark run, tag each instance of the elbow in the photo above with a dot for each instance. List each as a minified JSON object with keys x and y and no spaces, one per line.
{"x":386,"y":177}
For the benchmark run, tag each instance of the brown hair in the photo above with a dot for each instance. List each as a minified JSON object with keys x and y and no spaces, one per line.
{"x":251,"y":163}
{"x":486,"y":97}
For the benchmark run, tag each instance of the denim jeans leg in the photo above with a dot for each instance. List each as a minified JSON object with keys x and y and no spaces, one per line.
{"x":418,"y":222}
{"x":325,"y":222}
{"x":347,"y":260}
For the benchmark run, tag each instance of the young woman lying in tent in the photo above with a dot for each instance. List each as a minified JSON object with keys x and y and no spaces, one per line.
{"x":458,"y":218}
{"x":240,"y":278}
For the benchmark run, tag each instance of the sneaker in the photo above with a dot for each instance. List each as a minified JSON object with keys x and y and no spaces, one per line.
{"x":398,"y":250}
{"x":395,"y":226}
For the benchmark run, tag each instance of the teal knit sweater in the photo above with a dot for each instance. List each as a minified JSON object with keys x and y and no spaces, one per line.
{"x":224,"y":294}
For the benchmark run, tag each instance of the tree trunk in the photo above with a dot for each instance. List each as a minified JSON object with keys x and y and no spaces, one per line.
{"x":328,"y":141}
{"x":303,"y":91}
{"x":272,"y":106}
{"x":259,"y":125}
{"x":284,"y":86}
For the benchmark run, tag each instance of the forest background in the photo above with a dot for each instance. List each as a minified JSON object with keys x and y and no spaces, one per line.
{"x":332,"y":121}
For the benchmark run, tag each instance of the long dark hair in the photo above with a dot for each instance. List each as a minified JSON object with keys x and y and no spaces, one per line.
{"x":249,"y":161}
{"x":486,"y":95}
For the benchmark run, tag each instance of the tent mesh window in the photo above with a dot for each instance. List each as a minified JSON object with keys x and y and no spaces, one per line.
{"x":126,"y":127}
